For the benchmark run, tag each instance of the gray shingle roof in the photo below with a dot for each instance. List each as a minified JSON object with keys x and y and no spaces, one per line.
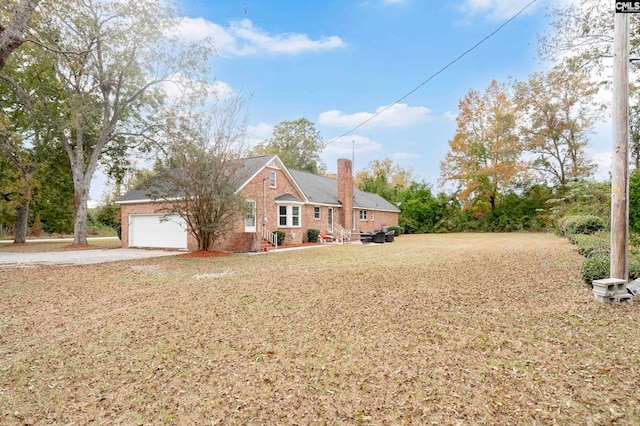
{"x":153,"y":188}
{"x":318,"y":189}
{"x":287,"y":198}
{"x":243,"y":169}
{"x":324,"y":190}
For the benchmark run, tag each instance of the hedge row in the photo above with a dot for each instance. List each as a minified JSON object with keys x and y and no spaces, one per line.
{"x":588,"y":225}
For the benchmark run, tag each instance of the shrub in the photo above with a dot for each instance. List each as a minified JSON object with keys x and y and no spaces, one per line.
{"x":590,"y":245}
{"x":280,"y":235}
{"x":595,"y":268}
{"x":590,"y":225}
{"x":312,"y":235}
{"x":634,"y":268}
{"x":398,"y":230}
{"x":587,"y":224}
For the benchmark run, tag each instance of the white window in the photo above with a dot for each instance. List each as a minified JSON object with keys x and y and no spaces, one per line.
{"x":272,"y":179}
{"x":282,"y":215}
{"x":372,"y":215}
{"x":295,"y":215}
{"x":317,"y":213}
{"x":288,"y":216}
{"x":363,"y":215}
{"x":250,"y":216}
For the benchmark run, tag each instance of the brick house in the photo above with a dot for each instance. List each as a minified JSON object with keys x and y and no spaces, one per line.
{"x":279,"y":198}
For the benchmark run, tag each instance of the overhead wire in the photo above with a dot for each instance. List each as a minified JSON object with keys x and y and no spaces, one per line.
{"x":435,"y":74}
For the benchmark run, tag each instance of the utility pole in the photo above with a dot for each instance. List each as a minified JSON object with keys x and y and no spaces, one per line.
{"x":353,"y":159}
{"x":620,"y":170}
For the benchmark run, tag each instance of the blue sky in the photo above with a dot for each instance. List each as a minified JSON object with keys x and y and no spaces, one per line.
{"x":337,"y":62}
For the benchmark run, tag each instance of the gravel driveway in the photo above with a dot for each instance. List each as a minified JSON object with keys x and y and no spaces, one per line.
{"x":78,"y":257}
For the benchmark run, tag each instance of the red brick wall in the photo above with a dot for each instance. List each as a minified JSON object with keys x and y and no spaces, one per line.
{"x":380,"y":219}
{"x":237,"y":240}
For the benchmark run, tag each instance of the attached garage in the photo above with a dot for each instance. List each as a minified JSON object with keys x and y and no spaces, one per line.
{"x":157,"y":231}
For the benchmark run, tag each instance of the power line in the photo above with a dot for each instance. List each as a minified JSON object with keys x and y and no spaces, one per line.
{"x":435,"y":74}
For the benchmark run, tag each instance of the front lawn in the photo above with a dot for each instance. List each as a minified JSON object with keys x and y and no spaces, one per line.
{"x":443,"y":329}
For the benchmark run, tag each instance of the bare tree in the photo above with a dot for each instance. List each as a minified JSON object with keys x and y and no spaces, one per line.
{"x":202,"y":186}
{"x":12,"y":32}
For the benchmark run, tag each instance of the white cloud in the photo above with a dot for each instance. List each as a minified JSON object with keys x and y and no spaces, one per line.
{"x":242,"y":38}
{"x":181,"y":85}
{"x":497,"y":9}
{"x":220,"y":90}
{"x":258,"y":133}
{"x":399,"y":115}
{"x":351,"y":143}
{"x":450,"y":116}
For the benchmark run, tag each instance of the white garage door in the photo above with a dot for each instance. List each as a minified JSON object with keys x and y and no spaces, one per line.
{"x":161,"y":231}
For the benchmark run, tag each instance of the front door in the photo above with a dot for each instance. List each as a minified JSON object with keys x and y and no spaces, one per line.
{"x":330,"y":220}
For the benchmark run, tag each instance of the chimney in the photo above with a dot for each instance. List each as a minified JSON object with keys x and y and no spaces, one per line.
{"x":345,"y":193}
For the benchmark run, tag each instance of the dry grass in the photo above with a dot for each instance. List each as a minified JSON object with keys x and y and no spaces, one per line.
{"x":53,"y":245}
{"x":434,"y":329}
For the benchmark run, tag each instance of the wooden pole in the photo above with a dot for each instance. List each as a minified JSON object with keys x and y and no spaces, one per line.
{"x":620,"y":170}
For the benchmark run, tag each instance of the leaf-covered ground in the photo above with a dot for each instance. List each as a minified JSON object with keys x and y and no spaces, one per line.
{"x":54,"y":245}
{"x":432,"y":329}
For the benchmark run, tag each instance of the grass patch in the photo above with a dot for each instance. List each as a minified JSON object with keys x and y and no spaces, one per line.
{"x":451,"y":329}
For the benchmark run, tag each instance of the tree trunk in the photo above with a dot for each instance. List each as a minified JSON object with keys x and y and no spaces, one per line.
{"x":80,"y":198}
{"x":81,"y":185}
{"x":22,"y":222}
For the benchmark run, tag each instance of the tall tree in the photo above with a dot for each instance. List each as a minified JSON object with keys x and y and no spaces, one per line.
{"x":14,"y":22}
{"x":111,"y":58}
{"x":385,"y":178}
{"x":297,"y":143}
{"x":558,"y":109}
{"x":484,"y":155}
{"x":201,"y":186}
{"x":420,"y":211}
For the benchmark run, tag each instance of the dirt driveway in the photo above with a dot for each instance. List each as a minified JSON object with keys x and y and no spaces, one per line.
{"x":77,"y":257}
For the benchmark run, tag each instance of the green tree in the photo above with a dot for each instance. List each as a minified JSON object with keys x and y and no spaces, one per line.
{"x":28,"y":136}
{"x":484,"y":158}
{"x":297,"y":143}
{"x":52,"y":200}
{"x":385,"y":178}
{"x":420,"y":211}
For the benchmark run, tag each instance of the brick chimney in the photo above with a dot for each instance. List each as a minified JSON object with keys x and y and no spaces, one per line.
{"x":345,"y":193}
